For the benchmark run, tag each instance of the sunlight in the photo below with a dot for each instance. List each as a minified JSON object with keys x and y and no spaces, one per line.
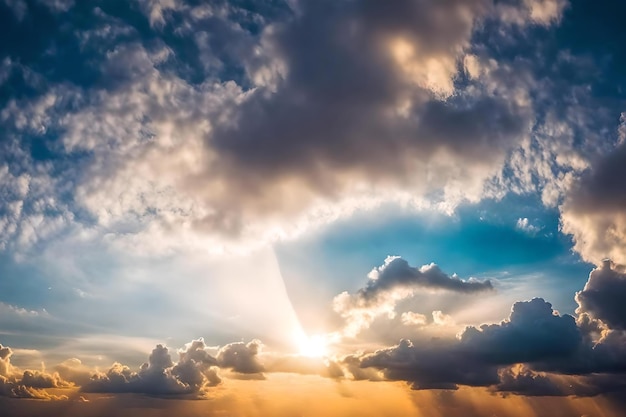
{"x":315,"y":346}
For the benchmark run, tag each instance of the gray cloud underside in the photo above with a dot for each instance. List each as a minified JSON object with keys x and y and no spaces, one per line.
{"x":396,"y":272}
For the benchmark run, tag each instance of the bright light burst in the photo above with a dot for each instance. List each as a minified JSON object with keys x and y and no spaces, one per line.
{"x":315,"y":346}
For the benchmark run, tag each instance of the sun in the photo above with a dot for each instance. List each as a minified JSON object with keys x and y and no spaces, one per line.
{"x":315,"y":346}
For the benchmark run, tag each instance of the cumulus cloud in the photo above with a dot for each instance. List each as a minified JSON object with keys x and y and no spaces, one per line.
{"x":433,"y":366}
{"x":393,"y":281}
{"x":603,"y":296}
{"x":533,"y":332}
{"x":196,"y":371}
{"x":29,"y":383}
{"x":38,"y":379}
{"x":193,"y":374}
{"x":397,"y":273}
{"x":241,"y":357}
{"x":536,"y":351}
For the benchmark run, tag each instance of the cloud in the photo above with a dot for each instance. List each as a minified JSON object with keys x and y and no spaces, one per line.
{"x":523,"y":381}
{"x":241,"y":357}
{"x":532,"y":333}
{"x":393,"y":78}
{"x":27,"y":384}
{"x":253,"y":137}
{"x":593,"y":211}
{"x":393,"y":281}
{"x":541,"y":12}
{"x":74,"y":371}
{"x":433,"y":366}
{"x":526,"y":226}
{"x":603,"y":296}
{"x":397,"y":273}
{"x":535,"y":352}
{"x":38,"y":379}
{"x":442,"y":319}
{"x":410,"y":318}
{"x":18,"y":7}
{"x":196,"y":370}
{"x":193,"y":374}
{"x":603,"y":345}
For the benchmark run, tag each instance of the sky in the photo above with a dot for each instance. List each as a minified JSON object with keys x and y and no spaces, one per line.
{"x":312,"y":207}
